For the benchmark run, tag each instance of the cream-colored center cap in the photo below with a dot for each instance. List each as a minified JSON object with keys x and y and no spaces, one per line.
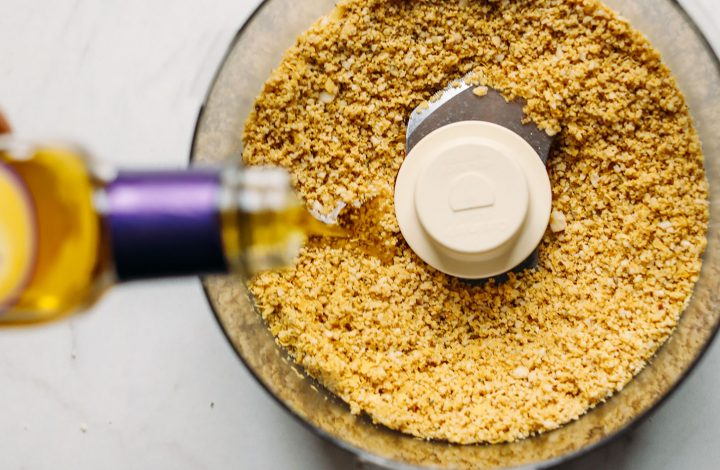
{"x":473,"y":199}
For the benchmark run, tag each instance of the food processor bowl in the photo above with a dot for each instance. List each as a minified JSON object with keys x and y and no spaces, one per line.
{"x":255,"y":52}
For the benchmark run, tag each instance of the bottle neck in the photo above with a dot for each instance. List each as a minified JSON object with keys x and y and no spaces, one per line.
{"x":165,"y":223}
{"x":203,"y":221}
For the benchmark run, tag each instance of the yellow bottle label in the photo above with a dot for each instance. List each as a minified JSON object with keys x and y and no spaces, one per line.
{"x":18,"y":244}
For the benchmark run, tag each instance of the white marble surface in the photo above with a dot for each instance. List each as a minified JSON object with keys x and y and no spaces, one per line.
{"x":146,"y":380}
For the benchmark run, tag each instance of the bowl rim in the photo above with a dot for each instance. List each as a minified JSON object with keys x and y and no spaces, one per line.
{"x":364,"y":455}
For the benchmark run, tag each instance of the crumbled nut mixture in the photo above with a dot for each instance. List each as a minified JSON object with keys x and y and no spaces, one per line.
{"x":430,"y":355}
{"x":480,"y":91}
{"x":558,"y":222}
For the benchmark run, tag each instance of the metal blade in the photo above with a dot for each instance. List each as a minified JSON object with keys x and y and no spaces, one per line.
{"x":457,"y":102}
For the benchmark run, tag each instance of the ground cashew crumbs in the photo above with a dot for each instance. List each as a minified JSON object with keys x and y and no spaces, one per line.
{"x":427,"y":354}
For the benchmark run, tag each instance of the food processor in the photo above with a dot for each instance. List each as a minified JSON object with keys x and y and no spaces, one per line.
{"x":254,"y":53}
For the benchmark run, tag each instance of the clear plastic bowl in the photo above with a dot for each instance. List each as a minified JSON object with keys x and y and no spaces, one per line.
{"x":255,"y":51}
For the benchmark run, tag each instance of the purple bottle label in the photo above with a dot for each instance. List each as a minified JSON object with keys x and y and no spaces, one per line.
{"x":165,"y":224}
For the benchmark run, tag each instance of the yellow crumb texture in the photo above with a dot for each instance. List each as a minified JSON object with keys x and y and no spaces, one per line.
{"x":480,"y":91}
{"x":430,"y":355}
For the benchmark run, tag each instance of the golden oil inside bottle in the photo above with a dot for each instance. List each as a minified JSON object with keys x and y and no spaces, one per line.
{"x":67,"y":238}
{"x":271,"y":239}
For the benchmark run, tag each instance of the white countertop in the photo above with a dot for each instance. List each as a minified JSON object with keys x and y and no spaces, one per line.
{"x":146,"y":379}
